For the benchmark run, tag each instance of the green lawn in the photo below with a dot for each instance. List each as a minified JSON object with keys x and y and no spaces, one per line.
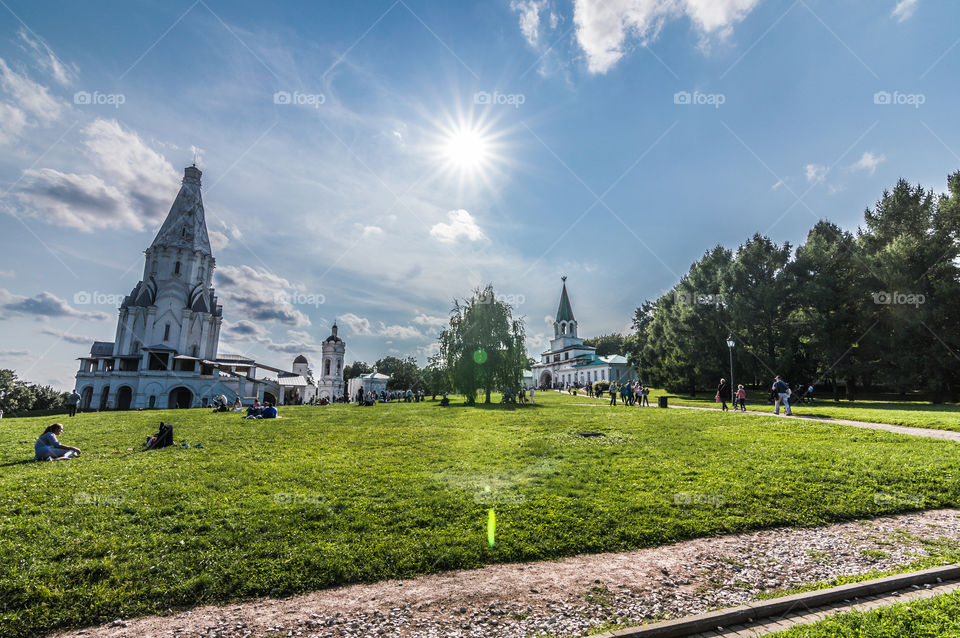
{"x":929,"y":618}
{"x":910,"y":413}
{"x":338,"y":494}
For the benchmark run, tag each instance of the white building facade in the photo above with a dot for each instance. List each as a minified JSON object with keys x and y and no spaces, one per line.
{"x":569,"y":362}
{"x":164,"y":353}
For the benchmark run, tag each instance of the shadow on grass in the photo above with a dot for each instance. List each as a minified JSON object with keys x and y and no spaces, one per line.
{"x":12,"y":463}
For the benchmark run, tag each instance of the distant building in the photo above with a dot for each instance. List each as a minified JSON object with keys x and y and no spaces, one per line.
{"x":370,"y":382}
{"x":570,"y":362}
{"x":164,"y":354}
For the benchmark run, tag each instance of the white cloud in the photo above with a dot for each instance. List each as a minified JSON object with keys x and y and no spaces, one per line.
{"x":905,"y":9}
{"x":604,"y":26}
{"x":43,"y":306}
{"x":246,"y":331}
{"x":780,"y":183}
{"x":134,"y":186}
{"x":372,"y":231}
{"x":260,"y":295}
{"x":47,"y":60}
{"x":13,"y":121}
{"x":461,"y":224}
{"x":868,"y":162}
{"x":815,"y":172}
{"x":69,"y":338}
{"x":27,"y":104}
{"x":399,"y":332}
{"x":424,"y":319}
{"x":529,"y":11}
{"x":358,"y":325}
{"x":218,"y":241}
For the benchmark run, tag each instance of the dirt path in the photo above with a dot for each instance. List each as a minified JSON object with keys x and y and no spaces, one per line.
{"x":570,"y":596}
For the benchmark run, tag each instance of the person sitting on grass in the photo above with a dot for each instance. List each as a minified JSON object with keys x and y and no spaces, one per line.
{"x":48,"y":448}
{"x":254,"y":412}
{"x":269,"y":412}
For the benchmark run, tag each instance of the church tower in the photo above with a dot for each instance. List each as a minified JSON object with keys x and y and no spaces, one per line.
{"x":565,"y":324}
{"x":173,"y":310}
{"x":331,"y":366}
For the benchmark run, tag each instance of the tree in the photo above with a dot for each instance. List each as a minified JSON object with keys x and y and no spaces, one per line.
{"x":355,"y":369}
{"x":483,"y":348}
{"x":607,"y":344}
{"x":17,"y":397}
{"x":404,"y":373}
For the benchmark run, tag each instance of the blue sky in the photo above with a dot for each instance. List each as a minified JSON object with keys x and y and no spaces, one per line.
{"x":430,"y":147}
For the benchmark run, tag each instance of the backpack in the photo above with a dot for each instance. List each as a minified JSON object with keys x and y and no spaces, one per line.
{"x":163,"y":438}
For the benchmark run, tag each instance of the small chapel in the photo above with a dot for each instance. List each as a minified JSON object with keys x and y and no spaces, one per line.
{"x":569,"y":362}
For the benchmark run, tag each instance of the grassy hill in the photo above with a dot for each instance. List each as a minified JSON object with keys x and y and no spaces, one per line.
{"x":338,"y":494}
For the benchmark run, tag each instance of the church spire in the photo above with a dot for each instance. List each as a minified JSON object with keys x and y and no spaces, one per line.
{"x":565,"y":310}
{"x":185,"y":225}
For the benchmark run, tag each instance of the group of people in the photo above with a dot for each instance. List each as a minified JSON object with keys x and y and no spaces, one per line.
{"x":400,"y":396}
{"x":781,"y":394}
{"x":520,"y":398}
{"x":261,"y":411}
{"x":630,"y":393}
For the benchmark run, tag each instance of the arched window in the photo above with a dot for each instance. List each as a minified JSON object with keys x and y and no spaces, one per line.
{"x":563,"y":328}
{"x":176,"y":268}
{"x":326,"y":368}
{"x":339,"y":365}
{"x":166,"y":332}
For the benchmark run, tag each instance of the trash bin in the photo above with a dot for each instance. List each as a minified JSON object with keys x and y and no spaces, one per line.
{"x":661,"y":402}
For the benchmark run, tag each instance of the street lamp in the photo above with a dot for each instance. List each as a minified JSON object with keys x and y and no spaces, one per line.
{"x":730,"y":344}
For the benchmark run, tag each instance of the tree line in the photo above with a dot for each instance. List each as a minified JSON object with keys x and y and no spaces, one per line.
{"x":878,"y":309}
{"x":18,"y":396}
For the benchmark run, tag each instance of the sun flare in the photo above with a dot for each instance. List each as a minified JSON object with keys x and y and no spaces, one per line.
{"x":466,"y":148}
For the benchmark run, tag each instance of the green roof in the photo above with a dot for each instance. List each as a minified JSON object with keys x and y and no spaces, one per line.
{"x":565,"y":311}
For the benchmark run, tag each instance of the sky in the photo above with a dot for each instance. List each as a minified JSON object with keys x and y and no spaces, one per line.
{"x":370,"y":162}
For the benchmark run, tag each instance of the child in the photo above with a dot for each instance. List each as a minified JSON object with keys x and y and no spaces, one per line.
{"x":741,"y":398}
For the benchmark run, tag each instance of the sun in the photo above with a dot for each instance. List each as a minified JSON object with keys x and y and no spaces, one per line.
{"x":466,"y":148}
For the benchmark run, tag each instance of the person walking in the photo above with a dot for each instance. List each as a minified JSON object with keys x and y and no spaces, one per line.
{"x":645,"y":392}
{"x":532,"y":391}
{"x":723,"y":393}
{"x":782,"y":391}
{"x":613,"y":394}
{"x":72,"y":402}
{"x":741,"y":398}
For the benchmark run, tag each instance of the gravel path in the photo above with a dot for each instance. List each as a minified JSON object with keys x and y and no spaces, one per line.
{"x":571,"y":596}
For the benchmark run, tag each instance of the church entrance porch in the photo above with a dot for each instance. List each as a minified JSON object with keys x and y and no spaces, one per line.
{"x":180,"y":398}
{"x":546,"y":379}
{"x":104,"y":394}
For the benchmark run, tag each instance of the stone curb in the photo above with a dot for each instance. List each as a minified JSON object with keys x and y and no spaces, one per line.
{"x":797,"y":603}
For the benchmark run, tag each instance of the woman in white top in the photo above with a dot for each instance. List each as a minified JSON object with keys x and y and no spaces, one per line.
{"x":48,"y":448}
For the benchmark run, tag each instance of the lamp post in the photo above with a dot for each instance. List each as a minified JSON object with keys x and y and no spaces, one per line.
{"x":730,"y":344}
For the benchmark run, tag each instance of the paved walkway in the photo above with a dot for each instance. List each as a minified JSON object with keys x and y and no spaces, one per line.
{"x":932,"y":433}
{"x":809,"y":616}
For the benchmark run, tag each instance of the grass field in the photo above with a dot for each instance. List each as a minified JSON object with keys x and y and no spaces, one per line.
{"x":930,"y":618}
{"x":919,"y":414}
{"x":342,"y":494}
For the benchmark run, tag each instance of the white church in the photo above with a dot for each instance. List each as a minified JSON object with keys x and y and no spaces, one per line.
{"x":164,"y":353}
{"x":569,"y":362}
